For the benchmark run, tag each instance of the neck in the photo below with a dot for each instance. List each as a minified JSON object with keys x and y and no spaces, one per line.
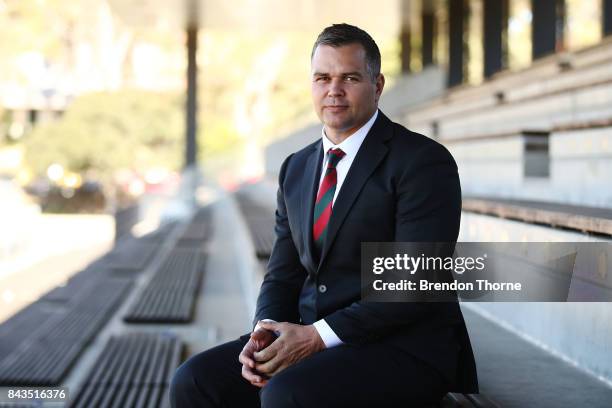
{"x":337,"y":136}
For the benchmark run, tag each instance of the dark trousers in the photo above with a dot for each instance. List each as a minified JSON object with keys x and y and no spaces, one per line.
{"x":371,"y":375}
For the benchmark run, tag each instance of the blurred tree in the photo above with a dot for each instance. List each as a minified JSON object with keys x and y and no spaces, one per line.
{"x":107,"y":131}
{"x":3,"y":126}
{"x":249,"y":86}
{"x":254,"y":86}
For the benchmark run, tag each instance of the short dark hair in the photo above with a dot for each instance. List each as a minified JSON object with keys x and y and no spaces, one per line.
{"x":338,"y":35}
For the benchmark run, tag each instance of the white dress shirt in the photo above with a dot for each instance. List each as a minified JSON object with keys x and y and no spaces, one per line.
{"x":350,"y":146}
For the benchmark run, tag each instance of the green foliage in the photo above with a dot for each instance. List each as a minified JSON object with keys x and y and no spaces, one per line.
{"x":3,"y":126}
{"x":110,"y":131}
{"x":254,"y":86}
{"x":262,"y":73}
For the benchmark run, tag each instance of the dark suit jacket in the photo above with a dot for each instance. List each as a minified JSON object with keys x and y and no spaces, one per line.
{"x":402,"y":186}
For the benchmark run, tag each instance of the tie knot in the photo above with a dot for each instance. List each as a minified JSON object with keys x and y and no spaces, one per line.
{"x":335,"y":155}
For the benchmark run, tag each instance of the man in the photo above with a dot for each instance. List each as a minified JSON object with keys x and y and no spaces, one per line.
{"x":316,"y":343}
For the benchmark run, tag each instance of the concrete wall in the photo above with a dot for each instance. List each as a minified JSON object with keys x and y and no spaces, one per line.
{"x":580,"y":164}
{"x":580,"y":333}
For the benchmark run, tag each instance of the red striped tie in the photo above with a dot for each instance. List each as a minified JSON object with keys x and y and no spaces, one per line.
{"x":325,"y":197}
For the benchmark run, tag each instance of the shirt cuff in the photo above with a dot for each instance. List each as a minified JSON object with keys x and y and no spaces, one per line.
{"x":327,"y":334}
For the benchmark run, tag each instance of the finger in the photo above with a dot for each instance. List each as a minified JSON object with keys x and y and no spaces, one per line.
{"x":249,"y":348}
{"x":269,"y":367}
{"x":268,"y":353}
{"x":260,"y":384}
{"x":254,"y":378}
{"x":246,"y":359}
{"x":272,"y":326}
{"x":261,"y":330}
{"x":250,"y":375}
{"x":257,"y":334}
{"x":261,"y":334}
{"x":258,"y":338}
{"x":280,"y":368}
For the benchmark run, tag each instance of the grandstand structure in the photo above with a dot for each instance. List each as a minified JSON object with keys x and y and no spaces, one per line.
{"x":528,"y":119}
{"x":515,"y":89}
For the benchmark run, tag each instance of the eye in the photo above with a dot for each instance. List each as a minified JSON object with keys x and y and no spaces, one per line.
{"x":351,"y":79}
{"x":321,"y":79}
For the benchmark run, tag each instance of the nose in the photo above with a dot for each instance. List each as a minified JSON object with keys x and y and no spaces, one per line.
{"x":336,"y":88}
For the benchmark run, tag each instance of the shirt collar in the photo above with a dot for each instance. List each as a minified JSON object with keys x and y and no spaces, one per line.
{"x":350,"y":146}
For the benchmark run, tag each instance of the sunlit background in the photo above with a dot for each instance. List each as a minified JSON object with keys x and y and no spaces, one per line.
{"x":92,"y":101}
{"x":92,"y":92}
{"x":94,"y":135}
{"x":79,"y":79}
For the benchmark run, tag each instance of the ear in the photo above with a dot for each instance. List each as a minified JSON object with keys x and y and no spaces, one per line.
{"x":380,"y":84}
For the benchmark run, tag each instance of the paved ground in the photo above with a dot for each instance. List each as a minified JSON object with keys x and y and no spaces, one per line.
{"x":61,"y":246}
{"x":223,"y":311}
{"x":512,"y":371}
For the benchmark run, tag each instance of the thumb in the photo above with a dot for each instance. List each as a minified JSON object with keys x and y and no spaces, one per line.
{"x":273,"y":326}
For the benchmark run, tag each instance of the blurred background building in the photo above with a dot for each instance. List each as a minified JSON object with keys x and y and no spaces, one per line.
{"x":140,"y":134}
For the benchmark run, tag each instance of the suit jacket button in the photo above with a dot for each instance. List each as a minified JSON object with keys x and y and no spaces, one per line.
{"x":322,"y":288}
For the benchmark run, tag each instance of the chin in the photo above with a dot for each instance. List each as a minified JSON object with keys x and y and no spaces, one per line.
{"x":335,"y":122}
{"x":338,"y":126}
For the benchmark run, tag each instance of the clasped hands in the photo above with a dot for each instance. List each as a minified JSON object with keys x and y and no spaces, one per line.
{"x":265,"y":354}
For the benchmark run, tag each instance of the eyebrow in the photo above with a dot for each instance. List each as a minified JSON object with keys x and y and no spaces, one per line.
{"x":345,"y":74}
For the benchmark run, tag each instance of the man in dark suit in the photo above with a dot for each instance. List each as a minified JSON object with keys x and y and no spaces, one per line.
{"x":316,"y":342}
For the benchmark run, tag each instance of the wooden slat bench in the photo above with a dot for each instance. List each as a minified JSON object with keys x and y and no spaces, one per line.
{"x":580,"y":218}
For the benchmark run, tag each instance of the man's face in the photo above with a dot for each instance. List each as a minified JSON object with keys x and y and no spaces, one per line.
{"x":344,"y":96}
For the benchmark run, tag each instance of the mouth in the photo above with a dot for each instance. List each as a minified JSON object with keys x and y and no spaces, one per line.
{"x":336,"y":108}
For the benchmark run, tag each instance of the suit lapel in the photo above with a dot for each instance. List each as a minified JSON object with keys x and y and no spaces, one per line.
{"x":370,"y":154}
{"x":310,"y":185}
